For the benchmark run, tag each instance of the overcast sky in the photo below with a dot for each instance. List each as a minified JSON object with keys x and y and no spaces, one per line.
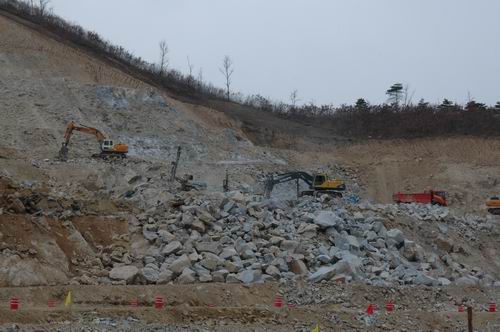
{"x":331,"y":51}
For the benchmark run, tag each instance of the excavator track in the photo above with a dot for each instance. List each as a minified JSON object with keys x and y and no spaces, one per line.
{"x":109,"y":156}
{"x":317,"y":193}
{"x":494,"y":211}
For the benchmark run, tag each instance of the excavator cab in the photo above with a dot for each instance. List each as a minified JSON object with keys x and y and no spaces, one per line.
{"x":322,"y":182}
{"x":319,"y":180}
{"x":107,"y":145}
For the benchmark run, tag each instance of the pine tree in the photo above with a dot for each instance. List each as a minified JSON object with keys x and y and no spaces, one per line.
{"x":475,"y":106}
{"x":446,"y":104}
{"x":422,"y":103}
{"x":395,"y":93}
{"x":361,"y":104}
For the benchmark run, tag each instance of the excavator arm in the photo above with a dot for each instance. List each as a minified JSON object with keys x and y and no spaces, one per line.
{"x":271,"y":180}
{"x":318,"y":183}
{"x":84,"y":129}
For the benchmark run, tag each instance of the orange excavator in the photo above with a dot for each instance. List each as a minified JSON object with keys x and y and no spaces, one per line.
{"x":106,"y":145}
{"x":493,"y":205}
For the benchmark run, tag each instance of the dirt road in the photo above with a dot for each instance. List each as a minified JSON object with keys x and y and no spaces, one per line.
{"x":225,"y":307}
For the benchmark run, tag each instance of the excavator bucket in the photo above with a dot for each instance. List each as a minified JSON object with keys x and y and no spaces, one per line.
{"x":63,"y":153}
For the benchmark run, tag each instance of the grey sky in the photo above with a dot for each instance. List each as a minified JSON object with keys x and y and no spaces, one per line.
{"x":332,"y":51}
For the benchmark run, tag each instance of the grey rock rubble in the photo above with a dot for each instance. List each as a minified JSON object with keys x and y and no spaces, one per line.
{"x":243,"y":238}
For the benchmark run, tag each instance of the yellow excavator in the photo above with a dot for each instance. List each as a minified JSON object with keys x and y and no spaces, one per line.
{"x":318,"y":183}
{"x":106,"y":145}
{"x":493,"y":205}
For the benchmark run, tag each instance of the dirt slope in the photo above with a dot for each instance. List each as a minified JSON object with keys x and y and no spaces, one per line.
{"x":85,"y":228}
{"x":44,"y":84}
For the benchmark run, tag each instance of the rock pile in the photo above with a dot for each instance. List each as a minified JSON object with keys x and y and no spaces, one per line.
{"x":243,"y":238}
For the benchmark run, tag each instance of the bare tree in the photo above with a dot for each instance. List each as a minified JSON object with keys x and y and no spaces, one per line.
{"x":294,"y":97}
{"x":200,"y":78}
{"x":227,"y":70}
{"x":190,"y":66}
{"x":43,"y":7}
{"x":407,"y":96}
{"x":32,"y":7}
{"x":163,"y":65}
{"x":190,"y":77}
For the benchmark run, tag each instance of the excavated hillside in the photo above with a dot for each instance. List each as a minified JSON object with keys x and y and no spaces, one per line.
{"x":44,"y":84}
{"x":89,"y":223}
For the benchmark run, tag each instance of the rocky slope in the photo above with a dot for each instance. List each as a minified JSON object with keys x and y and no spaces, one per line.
{"x":234,"y":237}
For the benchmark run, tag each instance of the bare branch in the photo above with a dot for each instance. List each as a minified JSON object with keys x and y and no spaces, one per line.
{"x":200,"y":77}
{"x":227,"y":70}
{"x":163,"y":65}
{"x":190,"y":66}
{"x":294,"y":97}
{"x":43,"y":7}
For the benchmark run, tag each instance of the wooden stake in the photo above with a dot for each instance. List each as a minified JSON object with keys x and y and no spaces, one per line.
{"x":469,"y":319}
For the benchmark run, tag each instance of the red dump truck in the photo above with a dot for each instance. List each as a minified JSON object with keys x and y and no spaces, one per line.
{"x":427,"y":197}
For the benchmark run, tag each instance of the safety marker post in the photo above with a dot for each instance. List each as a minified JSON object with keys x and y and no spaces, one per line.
{"x":14,"y":303}
{"x":134,"y":303}
{"x":389,"y":306}
{"x":370,"y":310}
{"x":51,"y":303}
{"x":492,"y":307}
{"x":461,"y":308}
{"x":369,"y":318}
{"x":278,"y":301}
{"x":159,"y":302}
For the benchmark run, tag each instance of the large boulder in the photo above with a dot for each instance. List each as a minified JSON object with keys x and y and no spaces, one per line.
{"x":347,"y":242}
{"x":165,"y":277}
{"x":203,"y":274}
{"x":323,"y":273}
{"x":211,"y":261}
{"x":165,"y":236}
{"x":198,"y":226}
{"x":289,"y":245}
{"x":150,"y":273}
{"x":148,"y":233}
{"x":307,"y":231}
{"x":171,"y":248}
{"x":273,"y":271}
{"x":396,"y":236}
{"x":412,"y":251}
{"x":127,"y":273}
{"x":213,"y":247}
{"x":249,"y":276}
{"x":327,"y":219}
{"x":423,"y":279}
{"x":349,"y":265}
{"x":228,"y":253}
{"x":180,"y":264}
{"x":187,"y":276}
{"x":220,"y":275}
